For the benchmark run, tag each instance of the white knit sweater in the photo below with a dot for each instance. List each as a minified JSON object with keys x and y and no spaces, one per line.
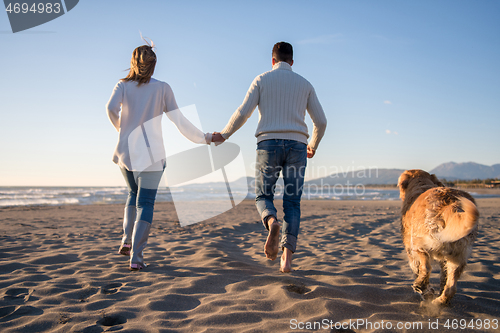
{"x":283,"y":98}
{"x":140,"y":141}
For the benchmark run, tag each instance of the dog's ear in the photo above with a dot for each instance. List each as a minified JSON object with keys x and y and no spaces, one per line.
{"x":436,"y":180}
{"x":403,"y":182}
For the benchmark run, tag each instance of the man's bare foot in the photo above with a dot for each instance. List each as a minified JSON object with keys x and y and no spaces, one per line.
{"x":286,"y":261}
{"x":271,"y":248}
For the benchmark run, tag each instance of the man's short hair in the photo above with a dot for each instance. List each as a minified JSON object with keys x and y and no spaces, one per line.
{"x":283,"y":51}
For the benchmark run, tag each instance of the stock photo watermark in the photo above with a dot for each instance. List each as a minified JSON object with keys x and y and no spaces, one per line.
{"x":327,"y":182}
{"x":27,"y":14}
{"x":151,"y":148}
{"x":365,"y":324}
{"x":157,"y":144}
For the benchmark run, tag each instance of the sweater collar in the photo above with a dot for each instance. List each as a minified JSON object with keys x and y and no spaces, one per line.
{"x":282,"y":65}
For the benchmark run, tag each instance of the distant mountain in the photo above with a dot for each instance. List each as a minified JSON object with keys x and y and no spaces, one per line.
{"x":450,"y":171}
{"x":361,"y":177}
{"x":466,"y":171}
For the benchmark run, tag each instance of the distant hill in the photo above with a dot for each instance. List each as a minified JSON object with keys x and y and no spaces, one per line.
{"x":466,"y":171}
{"x":450,"y":171}
{"x":362,"y":177}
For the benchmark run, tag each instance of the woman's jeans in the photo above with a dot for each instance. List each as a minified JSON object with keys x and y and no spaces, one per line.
{"x":142,"y":188}
{"x":290,"y":158}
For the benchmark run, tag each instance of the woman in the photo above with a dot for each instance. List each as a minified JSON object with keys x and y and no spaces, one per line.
{"x":140,"y":152}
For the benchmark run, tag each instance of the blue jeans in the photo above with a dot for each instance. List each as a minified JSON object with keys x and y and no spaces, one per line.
{"x":142,"y":188}
{"x":290,"y":158}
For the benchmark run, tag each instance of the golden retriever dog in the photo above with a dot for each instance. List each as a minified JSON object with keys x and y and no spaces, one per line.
{"x":437,"y":223}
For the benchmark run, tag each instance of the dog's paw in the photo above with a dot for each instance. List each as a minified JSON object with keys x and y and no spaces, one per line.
{"x":426,"y":293}
{"x":419,"y":288}
{"x":440,"y":301}
{"x":429,"y":294}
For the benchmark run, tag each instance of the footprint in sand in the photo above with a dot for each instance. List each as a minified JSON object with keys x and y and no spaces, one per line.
{"x":174,"y":302}
{"x":5,"y":311}
{"x":9,"y":313}
{"x":93,"y":329}
{"x":111,"y":288}
{"x":301,"y":289}
{"x":114,"y":321}
{"x":84,"y":294}
{"x":18,"y":294}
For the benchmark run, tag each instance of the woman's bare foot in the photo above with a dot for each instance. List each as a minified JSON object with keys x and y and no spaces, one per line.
{"x":286,"y":261}
{"x":271,"y":248}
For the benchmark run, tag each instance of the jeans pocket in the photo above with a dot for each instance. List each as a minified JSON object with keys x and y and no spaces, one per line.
{"x":298,"y":146}
{"x":297,"y":155}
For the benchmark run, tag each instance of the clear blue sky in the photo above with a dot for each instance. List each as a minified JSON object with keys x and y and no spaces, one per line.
{"x":404,"y":84}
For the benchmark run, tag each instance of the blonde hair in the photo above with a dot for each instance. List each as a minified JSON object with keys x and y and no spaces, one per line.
{"x":142,"y":64}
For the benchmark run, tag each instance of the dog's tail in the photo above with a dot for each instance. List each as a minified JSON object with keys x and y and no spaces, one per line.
{"x":459,"y":219}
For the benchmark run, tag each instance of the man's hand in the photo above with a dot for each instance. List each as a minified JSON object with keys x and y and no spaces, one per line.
{"x":217,"y":137}
{"x":310,"y":152}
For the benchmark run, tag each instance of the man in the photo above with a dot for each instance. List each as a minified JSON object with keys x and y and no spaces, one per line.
{"x":283,"y":98}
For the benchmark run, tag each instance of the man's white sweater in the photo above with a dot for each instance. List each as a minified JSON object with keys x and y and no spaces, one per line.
{"x":283,"y":98}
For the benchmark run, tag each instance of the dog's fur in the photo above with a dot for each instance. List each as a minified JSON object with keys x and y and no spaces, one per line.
{"x":437,"y":223}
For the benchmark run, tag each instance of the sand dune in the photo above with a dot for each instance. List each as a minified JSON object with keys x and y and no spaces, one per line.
{"x":59,"y":272}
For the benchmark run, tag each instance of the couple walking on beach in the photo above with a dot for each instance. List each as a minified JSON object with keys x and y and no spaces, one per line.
{"x":282,"y":97}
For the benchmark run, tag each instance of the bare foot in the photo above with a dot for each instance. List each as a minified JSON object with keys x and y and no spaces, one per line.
{"x":286,"y":261}
{"x":271,"y":247}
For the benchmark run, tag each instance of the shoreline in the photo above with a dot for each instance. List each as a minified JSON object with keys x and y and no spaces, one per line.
{"x":481,"y":194}
{"x":39,"y":197}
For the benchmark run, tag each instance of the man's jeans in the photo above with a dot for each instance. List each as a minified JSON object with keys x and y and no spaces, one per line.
{"x":289,"y":157}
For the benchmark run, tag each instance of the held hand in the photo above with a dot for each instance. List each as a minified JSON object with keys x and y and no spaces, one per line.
{"x":217,"y":137}
{"x":310,"y":152}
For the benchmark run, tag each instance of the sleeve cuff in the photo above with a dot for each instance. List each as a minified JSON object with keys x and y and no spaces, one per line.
{"x":208,"y":138}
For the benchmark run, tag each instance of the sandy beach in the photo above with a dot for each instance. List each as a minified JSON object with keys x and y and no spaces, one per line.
{"x":60,"y":272}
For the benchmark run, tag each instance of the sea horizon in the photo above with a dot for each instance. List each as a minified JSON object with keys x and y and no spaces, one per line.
{"x":18,"y":196}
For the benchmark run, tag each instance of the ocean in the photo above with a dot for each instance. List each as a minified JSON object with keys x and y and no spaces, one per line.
{"x":50,"y":196}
